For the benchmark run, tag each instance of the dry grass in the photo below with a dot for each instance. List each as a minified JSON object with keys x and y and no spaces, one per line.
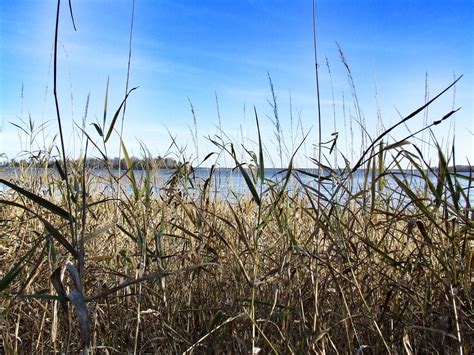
{"x":173,"y":272}
{"x":384,"y":267}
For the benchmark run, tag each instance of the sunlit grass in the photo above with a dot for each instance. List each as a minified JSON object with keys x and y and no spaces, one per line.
{"x":382,"y":267}
{"x":369,"y":262}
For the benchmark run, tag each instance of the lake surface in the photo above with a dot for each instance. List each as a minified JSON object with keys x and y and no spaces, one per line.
{"x":227,"y":183}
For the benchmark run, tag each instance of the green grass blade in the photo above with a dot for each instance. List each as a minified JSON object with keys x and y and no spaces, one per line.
{"x":249,"y":183}
{"x":105,"y":103}
{"x":261,"y":165}
{"x":246,"y":176}
{"x":98,"y":129}
{"x":117,"y":113}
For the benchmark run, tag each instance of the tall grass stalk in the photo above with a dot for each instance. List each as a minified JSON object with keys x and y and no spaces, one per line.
{"x":126,"y":90}
{"x":315,"y":281}
{"x":61,"y":136}
{"x":335,"y":133}
{"x":280,"y":139}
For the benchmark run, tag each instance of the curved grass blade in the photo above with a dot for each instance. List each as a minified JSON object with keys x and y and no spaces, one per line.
{"x":402,"y":121}
{"x":418,"y":203}
{"x":79,"y":303}
{"x":39,"y":200}
{"x":60,"y":290}
{"x":104,"y":156}
{"x":104,"y":117}
{"x":249,"y":183}
{"x":72,"y":16}
{"x":60,"y":170}
{"x":114,"y":119}
{"x":11,"y":275}
{"x":98,"y":129}
{"x":54,"y":232}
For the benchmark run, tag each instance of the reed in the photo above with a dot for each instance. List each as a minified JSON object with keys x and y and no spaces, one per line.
{"x":385,"y":266}
{"x":373,"y":257}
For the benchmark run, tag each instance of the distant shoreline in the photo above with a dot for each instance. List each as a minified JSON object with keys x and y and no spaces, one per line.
{"x":173,"y":165}
{"x":95,"y":163}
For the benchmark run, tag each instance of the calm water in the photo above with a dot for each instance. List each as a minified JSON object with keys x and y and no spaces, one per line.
{"x":229,"y":183}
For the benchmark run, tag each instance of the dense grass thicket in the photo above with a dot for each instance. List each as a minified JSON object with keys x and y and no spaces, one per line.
{"x":379,"y":268}
{"x":378,"y":265}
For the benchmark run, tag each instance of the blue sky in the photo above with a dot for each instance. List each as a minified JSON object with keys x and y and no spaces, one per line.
{"x":197,"y":49}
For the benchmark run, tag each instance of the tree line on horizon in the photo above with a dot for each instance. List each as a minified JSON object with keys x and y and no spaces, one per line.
{"x":97,"y":163}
